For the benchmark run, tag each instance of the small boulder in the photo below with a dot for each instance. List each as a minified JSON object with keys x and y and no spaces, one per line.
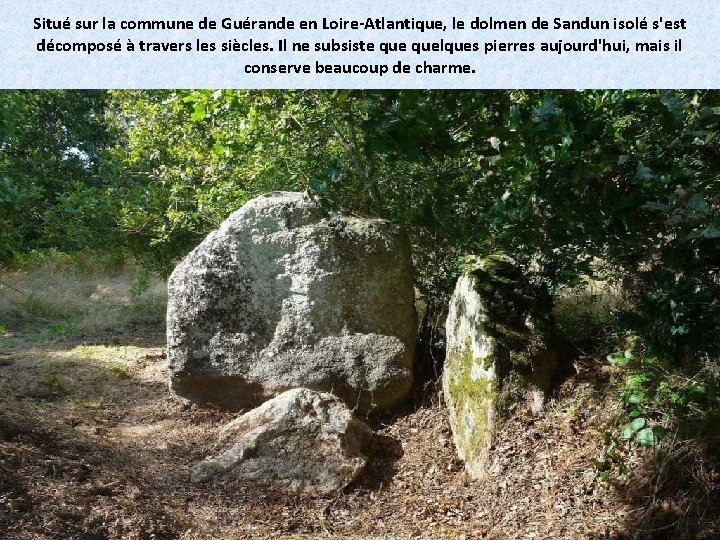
{"x":284,"y":295}
{"x":301,"y":440}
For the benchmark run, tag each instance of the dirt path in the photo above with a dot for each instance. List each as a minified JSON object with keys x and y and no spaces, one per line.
{"x":92,"y":447}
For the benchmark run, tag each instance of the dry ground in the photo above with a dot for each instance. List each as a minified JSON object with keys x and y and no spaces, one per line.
{"x":93,"y":447}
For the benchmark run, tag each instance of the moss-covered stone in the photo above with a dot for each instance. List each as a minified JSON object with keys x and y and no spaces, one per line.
{"x":470,"y":394}
{"x":499,"y":354}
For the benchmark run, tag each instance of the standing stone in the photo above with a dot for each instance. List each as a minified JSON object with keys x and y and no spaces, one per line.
{"x":283,"y":296}
{"x":301,"y":440}
{"x":500,"y":353}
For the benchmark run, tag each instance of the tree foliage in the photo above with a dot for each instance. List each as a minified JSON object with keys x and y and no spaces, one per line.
{"x":606,"y":184}
{"x":50,"y":147}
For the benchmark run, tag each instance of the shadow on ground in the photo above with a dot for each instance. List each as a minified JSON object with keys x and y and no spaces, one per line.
{"x":92,"y":446}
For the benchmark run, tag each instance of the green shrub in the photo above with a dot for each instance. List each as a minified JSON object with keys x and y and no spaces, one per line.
{"x":661,"y":400}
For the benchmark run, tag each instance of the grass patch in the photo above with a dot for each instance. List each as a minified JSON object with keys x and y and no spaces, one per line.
{"x":91,"y":402}
{"x":33,"y":307}
{"x":82,"y":262}
{"x":87,"y":352}
{"x":54,"y":331}
{"x":45,"y":403}
{"x":54,"y":382}
{"x":63,"y":298}
{"x":116,"y":369}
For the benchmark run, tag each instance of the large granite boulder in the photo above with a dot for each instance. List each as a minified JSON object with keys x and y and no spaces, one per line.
{"x":301,"y":440}
{"x":283,"y":296}
{"x":502,"y":353}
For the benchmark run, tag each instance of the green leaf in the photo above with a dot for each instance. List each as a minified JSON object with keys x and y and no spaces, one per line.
{"x":644,"y":173}
{"x":655,"y":206}
{"x":618,"y":359}
{"x":627,"y":433}
{"x":219,"y":149}
{"x":198,"y":115}
{"x":317,"y":185}
{"x":711,"y":231}
{"x":697,"y":202}
{"x":646,"y":437}
{"x":630,"y":429}
{"x":548,"y":107}
{"x":679,"y":330}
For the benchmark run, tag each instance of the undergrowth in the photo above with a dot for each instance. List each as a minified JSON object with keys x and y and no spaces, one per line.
{"x":661,"y":447}
{"x":50,"y":295}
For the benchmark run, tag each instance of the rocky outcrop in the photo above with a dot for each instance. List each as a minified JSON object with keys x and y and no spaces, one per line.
{"x":283,"y":296}
{"x":302,"y":440}
{"x":501,"y":353}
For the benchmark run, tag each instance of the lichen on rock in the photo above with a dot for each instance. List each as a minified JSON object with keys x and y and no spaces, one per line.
{"x":500,"y":351}
{"x":302,"y":440}
{"x":284,"y":295}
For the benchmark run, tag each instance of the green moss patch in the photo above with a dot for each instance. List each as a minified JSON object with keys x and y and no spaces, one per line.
{"x":475,"y":397}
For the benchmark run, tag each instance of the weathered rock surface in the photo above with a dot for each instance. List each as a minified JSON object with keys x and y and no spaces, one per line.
{"x":301,"y":440}
{"x":284,"y":296}
{"x":499,"y":355}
